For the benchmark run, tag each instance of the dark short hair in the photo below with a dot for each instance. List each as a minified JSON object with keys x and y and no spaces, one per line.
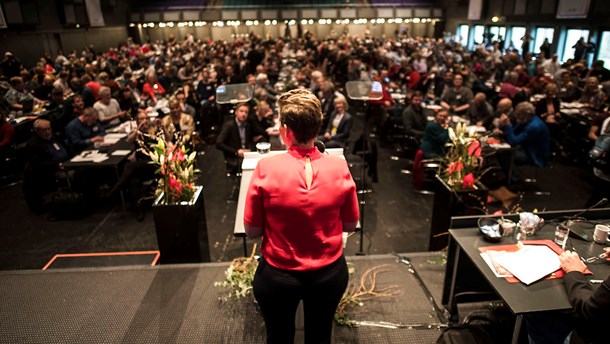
{"x":301,"y":111}
{"x":238,"y":105}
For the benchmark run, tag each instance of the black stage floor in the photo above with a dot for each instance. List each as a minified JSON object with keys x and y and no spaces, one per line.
{"x":179,"y":304}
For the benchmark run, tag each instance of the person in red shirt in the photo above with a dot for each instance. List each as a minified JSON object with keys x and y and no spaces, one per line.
{"x":152,"y":88}
{"x":300,"y":202}
{"x":412,"y":78}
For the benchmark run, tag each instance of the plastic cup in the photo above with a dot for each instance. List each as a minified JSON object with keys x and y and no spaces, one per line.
{"x":561,"y":235}
{"x":263,"y":147}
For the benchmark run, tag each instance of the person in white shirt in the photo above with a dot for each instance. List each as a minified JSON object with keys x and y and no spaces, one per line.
{"x":108,"y":108}
{"x":551,"y":66}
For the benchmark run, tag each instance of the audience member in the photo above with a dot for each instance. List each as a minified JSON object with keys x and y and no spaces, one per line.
{"x":480,"y":111}
{"x":152,"y":88}
{"x":137,"y":168}
{"x":529,"y":136}
{"x":568,"y":90}
{"x":592,"y":97}
{"x":589,"y":316}
{"x":10,"y":66}
{"x":336,"y":134}
{"x":84,"y":131}
{"x":178,"y":126}
{"x":436,"y":136}
{"x":413,"y":117}
{"x":45,"y":164}
{"x":236,"y":137}
{"x":456,"y":99}
{"x":108,"y":108}
{"x":18,"y":98}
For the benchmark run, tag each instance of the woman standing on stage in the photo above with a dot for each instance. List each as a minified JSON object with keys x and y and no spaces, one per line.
{"x":300,"y":203}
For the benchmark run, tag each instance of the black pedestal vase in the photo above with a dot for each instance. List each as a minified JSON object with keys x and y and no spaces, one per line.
{"x":182,"y":232}
{"x":449,"y":202}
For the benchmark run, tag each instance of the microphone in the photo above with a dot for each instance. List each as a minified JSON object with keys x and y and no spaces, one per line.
{"x":599,"y":203}
{"x":579,"y":232}
{"x":322,"y":147}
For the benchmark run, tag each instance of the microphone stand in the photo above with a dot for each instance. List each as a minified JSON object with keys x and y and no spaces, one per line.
{"x":363,"y":191}
{"x":601,"y":202}
{"x":375,"y":88}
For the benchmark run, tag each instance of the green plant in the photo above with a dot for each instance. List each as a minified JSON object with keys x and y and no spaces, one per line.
{"x":175,"y":168}
{"x":363,"y":290}
{"x":460,"y":167}
{"x":239,"y":277}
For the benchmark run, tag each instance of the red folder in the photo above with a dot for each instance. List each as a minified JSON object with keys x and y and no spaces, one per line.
{"x":514,"y":247}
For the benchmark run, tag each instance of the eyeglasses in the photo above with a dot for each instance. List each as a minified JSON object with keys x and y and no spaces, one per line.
{"x":594,"y":258}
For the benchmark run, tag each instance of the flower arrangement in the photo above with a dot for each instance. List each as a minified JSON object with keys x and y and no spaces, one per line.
{"x":176,"y":169}
{"x":239,"y":277}
{"x":460,"y":168}
{"x":237,"y":285}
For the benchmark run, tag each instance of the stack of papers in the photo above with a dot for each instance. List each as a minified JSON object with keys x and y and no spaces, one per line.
{"x":90,"y":155}
{"x":113,"y":138}
{"x":529,"y":264}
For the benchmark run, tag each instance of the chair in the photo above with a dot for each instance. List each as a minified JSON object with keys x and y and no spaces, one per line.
{"x":533,"y":181}
{"x":423,"y":168}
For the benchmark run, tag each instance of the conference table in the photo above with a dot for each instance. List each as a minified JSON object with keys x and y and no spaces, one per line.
{"x":543,"y":295}
{"x":109,"y":156}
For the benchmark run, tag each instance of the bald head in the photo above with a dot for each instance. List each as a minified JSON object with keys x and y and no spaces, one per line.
{"x":504,"y":105}
{"x":479,"y":99}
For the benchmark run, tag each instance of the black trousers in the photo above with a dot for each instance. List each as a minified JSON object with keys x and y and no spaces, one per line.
{"x":278,"y":293}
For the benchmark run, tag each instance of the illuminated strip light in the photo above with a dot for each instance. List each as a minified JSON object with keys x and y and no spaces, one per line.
{"x":290,"y":22}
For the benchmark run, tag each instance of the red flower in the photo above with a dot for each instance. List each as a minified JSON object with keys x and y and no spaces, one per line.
{"x":455,"y":166}
{"x":174,"y":184}
{"x":475,"y":149}
{"x":468,"y":181}
{"x":179,"y":155}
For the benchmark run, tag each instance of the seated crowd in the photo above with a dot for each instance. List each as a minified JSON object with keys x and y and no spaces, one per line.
{"x":82,"y":94}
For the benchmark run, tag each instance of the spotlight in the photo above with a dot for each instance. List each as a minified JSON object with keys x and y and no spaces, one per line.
{"x":495,"y":19}
{"x":267,"y":22}
{"x":416,"y":20}
{"x":310,"y":21}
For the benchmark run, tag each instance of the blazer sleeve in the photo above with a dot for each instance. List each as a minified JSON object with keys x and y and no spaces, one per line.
{"x":223,"y":141}
{"x":345,"y":127}
{"x":588,"y":302}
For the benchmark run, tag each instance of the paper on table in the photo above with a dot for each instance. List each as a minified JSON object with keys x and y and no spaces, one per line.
{"x":113,"y":138}
{"x":121,"y":152}
{"x":531,"y":263}
{"x":90,"y":155}
{"x":490,"y":257}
